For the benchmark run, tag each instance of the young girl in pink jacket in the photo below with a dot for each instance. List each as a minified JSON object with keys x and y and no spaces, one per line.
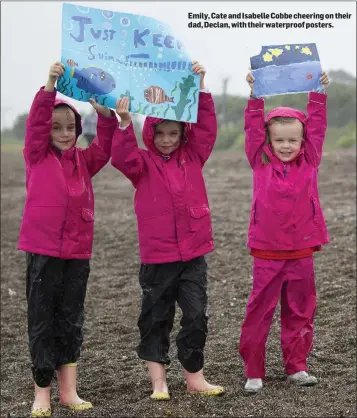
{"x":286,"y":227}
{"x":57,"y":235}
{"x":175,"y":233}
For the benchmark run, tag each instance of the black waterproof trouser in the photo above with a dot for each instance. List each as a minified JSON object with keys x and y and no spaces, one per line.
{"x":162,"y":285}
{"x":55,"y":291}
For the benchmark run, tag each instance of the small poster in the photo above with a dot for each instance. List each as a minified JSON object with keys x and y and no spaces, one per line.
{"x":288,"y":68}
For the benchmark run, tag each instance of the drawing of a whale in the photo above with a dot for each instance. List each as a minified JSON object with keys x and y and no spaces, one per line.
{"x":93,"y":80}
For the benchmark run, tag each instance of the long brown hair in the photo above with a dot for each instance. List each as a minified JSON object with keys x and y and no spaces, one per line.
{"x":277,"y":119}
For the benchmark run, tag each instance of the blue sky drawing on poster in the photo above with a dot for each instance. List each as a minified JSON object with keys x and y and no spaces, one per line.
{"x":108,"y":55}
{"x":280,"y":69}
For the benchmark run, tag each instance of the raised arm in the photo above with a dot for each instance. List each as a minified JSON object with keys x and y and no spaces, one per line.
{"x":254,"y":130}
{"x":254,"y":125}
{"x":125,"y":153}
{"x":316,"y":126}
{"x":98,"y":153}
{"x":203,"y":134}
{"x":39,"y":121}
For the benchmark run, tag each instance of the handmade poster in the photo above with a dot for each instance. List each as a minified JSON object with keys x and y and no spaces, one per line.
{"x":281,"y":69}
{"x":108,"y":55}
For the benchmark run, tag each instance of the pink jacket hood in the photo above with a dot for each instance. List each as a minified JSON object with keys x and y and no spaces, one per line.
{"x":77,"y":115}
{"x":286,"y":112}
{"x":149,"y":132}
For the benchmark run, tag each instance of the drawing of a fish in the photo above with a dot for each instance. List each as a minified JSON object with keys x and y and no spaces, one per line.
{"x":155,"y":94}
{"x":93,"y":80}
{"x":72,"y":63}
{"x":309,"y":76}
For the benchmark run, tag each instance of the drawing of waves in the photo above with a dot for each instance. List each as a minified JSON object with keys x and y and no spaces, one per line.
{"x":292,"y":78}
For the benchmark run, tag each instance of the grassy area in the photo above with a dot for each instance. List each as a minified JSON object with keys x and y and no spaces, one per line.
{"x":11,"y":145}
{"x":14,"y":145}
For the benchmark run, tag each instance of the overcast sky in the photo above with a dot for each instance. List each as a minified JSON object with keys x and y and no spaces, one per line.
{"x":31,"y":41}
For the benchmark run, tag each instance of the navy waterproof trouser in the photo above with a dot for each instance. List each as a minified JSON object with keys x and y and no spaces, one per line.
{"x":162,"y":285}
{"x":55,"y":291}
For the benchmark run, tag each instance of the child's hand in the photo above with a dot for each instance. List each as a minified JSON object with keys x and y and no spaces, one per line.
{"x":250,"y":80}
{"x":56,"y":71}
{"x":103,"y":110}
{"x":122,"y":109}
{"x":197,"y":68}
{"x":324,"y":80}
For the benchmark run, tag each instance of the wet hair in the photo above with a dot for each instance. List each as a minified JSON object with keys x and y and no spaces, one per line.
{"x":166,"y":122}
{"x":77,"y":117}
{"x":278,"y":119}
{"x":64,"y":106}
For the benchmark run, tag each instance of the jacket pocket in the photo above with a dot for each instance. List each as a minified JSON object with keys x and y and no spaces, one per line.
{"x":84,"y":231}
{"x":200,"y":219}
{"x":87,"y":215}
{"x":253,"y":213}
{"x":315,"y":210}
{"x":199,"y":212}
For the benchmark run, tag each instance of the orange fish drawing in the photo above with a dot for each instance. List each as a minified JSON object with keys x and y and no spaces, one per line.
{"x":71,"y":63}
{"x":155,"y":94}
{"x":309,"y":76}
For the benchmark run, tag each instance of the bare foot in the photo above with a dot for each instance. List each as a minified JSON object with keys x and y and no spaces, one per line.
{"x":67,"y":383}
{"x":42,"y":398}
{"x":197,"y":383}
{"x":157,"y":374}
{"x":160,"y":385}
{"x":71,"y":399}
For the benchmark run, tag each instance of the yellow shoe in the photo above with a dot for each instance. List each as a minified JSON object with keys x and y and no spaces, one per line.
{"x":41,"y":412}
{"x":160,"y":396}
{"x":211,"y":392}
{"x":80,"y":407}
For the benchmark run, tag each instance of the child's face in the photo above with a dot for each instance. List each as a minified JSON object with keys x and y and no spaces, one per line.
{"x":168,"y":137}
{"x":63,"y":132}
{"x":286,"y":139}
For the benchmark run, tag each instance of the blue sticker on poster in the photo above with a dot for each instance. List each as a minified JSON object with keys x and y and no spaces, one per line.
{"x":108,"y":55}
{"x":288,"y":68}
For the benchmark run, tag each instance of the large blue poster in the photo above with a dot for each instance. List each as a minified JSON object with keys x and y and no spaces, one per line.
{"x":288,"y":68}
{"x":108,"y":55}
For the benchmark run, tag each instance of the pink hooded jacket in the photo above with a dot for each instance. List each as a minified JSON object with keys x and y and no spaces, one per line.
{"x":58,"y":218}
{"x":171,"y":204}
{"x":286,"y":213}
